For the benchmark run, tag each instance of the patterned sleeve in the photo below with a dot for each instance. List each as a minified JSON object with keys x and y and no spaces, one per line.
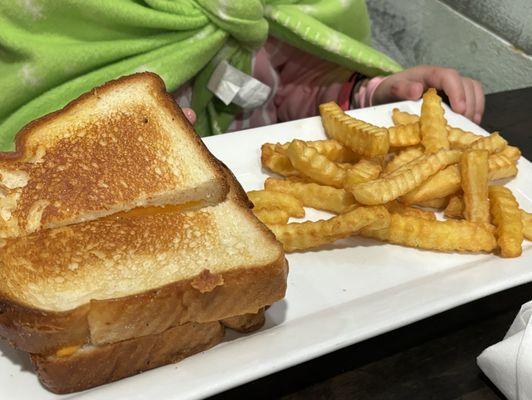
{"x":305,"y":82}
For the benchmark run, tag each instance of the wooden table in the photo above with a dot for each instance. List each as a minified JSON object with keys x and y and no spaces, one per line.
{"x":430,"y":359}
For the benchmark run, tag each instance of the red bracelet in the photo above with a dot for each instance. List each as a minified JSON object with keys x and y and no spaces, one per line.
{"x":344,"y":97}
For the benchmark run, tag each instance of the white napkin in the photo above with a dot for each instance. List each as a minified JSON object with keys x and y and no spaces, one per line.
{"x":509,"y":363}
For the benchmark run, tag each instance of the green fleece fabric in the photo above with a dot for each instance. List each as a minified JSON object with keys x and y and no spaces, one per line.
{"x":52,"y":51}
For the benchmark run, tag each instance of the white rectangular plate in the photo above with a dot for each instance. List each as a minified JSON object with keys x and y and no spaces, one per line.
{"x":336,"y":296}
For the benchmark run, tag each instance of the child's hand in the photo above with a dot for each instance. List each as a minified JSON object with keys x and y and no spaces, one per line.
{"x":465,"y":94}
{"x":190,"y":114}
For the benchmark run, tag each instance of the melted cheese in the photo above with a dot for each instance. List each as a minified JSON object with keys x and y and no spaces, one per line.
{"x":67,"y":351}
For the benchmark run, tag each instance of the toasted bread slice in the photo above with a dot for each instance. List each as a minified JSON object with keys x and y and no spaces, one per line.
{"x":114,"y":279}
{"x":121,"y":146}
{"x":81,"y":367}
{"x":90,"y":366}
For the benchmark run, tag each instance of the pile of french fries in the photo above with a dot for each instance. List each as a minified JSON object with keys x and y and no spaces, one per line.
{"x":387,"y":184}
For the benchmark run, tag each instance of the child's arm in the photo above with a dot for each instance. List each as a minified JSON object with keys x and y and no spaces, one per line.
{"x":465,"y":94}
{"x":306,"y":81}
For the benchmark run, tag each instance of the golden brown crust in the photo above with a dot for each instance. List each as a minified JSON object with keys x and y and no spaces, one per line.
{"x":244,"y":291}
{"x":95,"y":366}
{"x":22,"y":136}
{"x":237,"y":191}
{"x":246,"y":323}
{"x":38,"y":331}
{"x":239,"y":195}
{"x":75,"y":167}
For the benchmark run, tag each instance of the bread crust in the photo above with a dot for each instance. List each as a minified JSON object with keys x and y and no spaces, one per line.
{"x":246,"y":323}
{"x":99,"y":365}
{"x":103,"y":364}
{"x":166,"y":99}
{"x":107,"y":321}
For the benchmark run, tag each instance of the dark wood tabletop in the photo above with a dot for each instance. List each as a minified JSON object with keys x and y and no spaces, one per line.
{"x":431,"y":359}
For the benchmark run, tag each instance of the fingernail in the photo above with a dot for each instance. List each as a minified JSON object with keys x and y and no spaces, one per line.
{"x":461,"y":105}
{"x":478,"y":118}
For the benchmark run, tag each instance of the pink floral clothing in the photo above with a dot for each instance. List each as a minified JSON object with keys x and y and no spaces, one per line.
{"x":300,"y":82}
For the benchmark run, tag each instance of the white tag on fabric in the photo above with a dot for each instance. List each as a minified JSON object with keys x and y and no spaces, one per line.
{"x":231,"y":85}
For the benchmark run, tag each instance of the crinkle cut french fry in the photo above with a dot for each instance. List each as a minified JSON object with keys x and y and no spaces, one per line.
{"x":442,"y":184}
{"x":450,"y":235}
{"x":437,"y":204}
{"x":362,"y":171}
{"x":305,"y":235}
{"x":511,"y":152}
{"x":404,"y":135}
{"x":275,"y":161}
{"x":330,"y":148}
{"x":402,"y":181}
{"x":460,"y":139}
{"x":363,"y":138}
{"x":506,"y":217}
{"x":271,"y":216}
{"x":266,"y":199}
{"x":404,"y":157}
{"x":379,"y":160}
{"x":345,"y":166}
{"x":403,"y":118}
{"x":313,"y":195}
{"x":319,"y":168}
{"x":399,"y":208}
{"x":432,"y":123}
{"x":455,"y":208}
{"x":448,"y":181}
{"x":526,"y":218}
{"x":500,"y":166}
{"x":474,"y":173}
{"x":298,"y":178}
{"x":493,"y":143}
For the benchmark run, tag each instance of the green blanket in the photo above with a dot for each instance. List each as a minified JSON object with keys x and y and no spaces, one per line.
{"x":51,"y":51}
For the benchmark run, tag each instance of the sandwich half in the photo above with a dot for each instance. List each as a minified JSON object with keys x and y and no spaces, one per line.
{"x":121,"y":146}
{"x":114,"y":279}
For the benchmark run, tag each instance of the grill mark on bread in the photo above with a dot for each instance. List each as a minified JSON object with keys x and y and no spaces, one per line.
{"x":106,"y":162}
{"x":153,"y":115}
{"x":54,"y":258}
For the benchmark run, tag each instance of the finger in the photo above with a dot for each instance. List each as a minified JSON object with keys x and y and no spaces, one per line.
{"x":406,"y":90}
{"x":480,"y":101}
{"x":469,"y":91}
{"x":190,"y":114}
{"x":451,"y":82}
